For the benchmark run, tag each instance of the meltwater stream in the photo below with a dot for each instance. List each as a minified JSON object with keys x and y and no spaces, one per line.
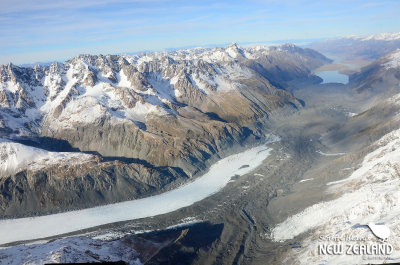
{"x":216,"y":178}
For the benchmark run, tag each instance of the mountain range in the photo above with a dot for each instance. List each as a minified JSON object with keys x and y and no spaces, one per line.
{"x":369,"y":47}
{"x":98,"y":129}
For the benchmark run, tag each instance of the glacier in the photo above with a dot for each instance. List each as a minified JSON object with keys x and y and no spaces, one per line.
{"x":219,"y":174}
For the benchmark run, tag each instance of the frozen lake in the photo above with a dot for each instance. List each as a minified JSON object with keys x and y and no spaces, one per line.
{"x":216,"y":178}
{"x":333,"y":77}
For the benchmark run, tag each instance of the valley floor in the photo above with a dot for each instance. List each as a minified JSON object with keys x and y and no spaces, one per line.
{"x":240,"y":223}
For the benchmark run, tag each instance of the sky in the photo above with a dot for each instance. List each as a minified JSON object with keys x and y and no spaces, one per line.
{"x":49,"y":30}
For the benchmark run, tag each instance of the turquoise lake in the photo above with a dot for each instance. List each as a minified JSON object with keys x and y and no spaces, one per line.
{"x":333,"y":77}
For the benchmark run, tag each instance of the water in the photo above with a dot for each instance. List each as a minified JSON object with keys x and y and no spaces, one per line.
{"x":216,"y":178}
{"x":333,"y":77}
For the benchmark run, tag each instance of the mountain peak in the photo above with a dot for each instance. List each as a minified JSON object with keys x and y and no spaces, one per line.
{"x":234,"y":50}
{"x":233,"y":45}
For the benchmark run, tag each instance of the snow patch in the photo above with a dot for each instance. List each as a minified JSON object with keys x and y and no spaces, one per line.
{"x":141,"y":110}
{"x":393,"y":60}
{"x":334,"y":154}
{"x":16,"y":157}
{"x":70,"y":81}
{"x":84,"y":110}
{"x":123,"y":80}
{"x":162,"y":86}
{"x":10,"y":86}
{"x":304,"y":180}
{"x":351,"y":114}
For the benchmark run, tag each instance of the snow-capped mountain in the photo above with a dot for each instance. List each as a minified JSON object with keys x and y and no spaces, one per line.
{"x":359,"y":47}
{"x":380,"y":36}
{"x":147,"y":120}
{"x":106,"y":96}
{"x":89,"y":88}
{"x":383,"y":75}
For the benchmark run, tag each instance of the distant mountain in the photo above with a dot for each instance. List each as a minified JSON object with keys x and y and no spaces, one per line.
{"x":382,"y":76}
{"x":147,"y":120}
{"x":37,"y":63}
{"x":357,"y":47}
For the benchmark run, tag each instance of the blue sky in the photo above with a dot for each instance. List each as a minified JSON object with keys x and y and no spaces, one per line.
{"x":47,"y":30}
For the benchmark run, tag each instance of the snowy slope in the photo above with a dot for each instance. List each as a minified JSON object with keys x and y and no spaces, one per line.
{"x":392,"y":60}
{"x":16,"y":157}
{"x":370,"y":195}
{"x":71,"y":250}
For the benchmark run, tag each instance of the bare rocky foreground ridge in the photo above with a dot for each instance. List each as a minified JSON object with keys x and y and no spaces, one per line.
{"x":148,"y":121}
